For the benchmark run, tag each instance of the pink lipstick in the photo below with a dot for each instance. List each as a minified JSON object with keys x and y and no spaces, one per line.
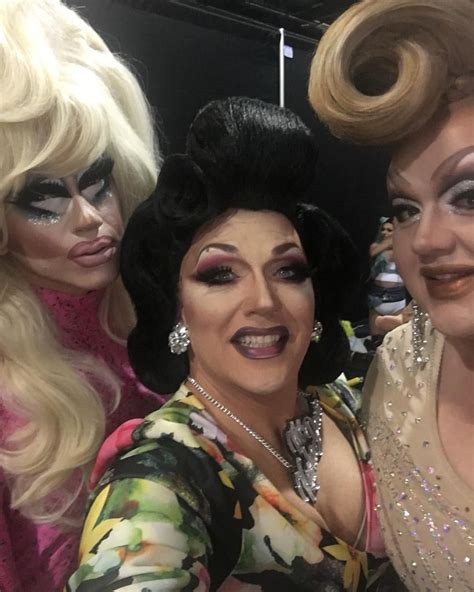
{"x":93,"y":253}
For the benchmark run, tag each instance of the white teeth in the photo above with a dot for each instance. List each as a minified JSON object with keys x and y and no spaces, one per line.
{"x":258,"y":340}
{"x":450,"y":276}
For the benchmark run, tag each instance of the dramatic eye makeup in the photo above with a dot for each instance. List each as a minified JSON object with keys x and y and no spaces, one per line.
{"x":216,"y":270}
{"x":224,"y":269}
{"x":460,"y":195}
{"x":46,"y":200}
{"x":404,"y":211}
{"x":94,"y":183}
{"x":293,"y":269}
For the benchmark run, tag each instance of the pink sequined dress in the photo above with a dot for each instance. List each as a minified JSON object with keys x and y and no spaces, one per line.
{"x":39,"y":558}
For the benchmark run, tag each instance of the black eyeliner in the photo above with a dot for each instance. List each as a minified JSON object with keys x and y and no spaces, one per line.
{"x":100,"y":169}
{"x":38,"y":191}
{"x":211,"y":275}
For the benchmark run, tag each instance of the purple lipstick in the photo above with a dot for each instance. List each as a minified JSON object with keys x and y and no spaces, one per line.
{"x":257,"y":344}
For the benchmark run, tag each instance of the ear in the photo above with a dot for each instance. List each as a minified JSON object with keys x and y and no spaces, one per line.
{"x":180,"y":316}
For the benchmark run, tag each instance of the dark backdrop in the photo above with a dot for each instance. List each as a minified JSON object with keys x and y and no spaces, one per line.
{"x":185,"y":59}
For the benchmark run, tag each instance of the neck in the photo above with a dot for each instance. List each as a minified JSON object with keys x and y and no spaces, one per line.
{"x":266,"y":412}
{"x":461,"y":350}
{"x":457,"y":377}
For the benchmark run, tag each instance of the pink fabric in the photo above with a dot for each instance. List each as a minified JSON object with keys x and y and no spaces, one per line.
{"x":112,"y":446}
{"x":373,"y":542}
{"x":38,"y":558}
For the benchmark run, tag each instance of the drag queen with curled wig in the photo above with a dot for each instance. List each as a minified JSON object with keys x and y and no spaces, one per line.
{"x":77,"y":155}
{"x":401,"y":72}
{"x":237,"y":284}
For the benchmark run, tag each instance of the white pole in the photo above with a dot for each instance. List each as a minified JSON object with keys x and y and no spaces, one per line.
{"x":282,"y":67}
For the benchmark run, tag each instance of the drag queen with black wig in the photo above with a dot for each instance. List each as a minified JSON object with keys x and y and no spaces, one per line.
{"x":242,"y":481}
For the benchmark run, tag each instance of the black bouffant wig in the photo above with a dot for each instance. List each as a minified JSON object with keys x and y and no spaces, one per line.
{"x":240,"y":154}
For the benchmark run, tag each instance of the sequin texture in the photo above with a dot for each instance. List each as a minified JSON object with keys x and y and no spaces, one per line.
{"x":38,"y":558}
{"x":424,"y":505}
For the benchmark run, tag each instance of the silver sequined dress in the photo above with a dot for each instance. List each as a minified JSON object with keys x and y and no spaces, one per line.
{"x":426,"y":509}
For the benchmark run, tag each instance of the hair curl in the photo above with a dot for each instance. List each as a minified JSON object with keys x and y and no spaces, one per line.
{"x":241,"y":154}
{"x":385,"y":67}
{"x":65,"y":101}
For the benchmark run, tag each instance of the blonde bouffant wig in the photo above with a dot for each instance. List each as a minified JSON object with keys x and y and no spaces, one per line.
{"x":65,"y":100}
{"x":386,"y":67}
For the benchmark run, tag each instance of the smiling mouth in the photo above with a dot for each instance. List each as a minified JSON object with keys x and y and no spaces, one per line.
{"x":260,"y":343}
{"x":452,"y":284}
{"x":449,"y":277}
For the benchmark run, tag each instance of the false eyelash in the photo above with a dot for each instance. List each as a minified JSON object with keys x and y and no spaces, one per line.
{"x":211,"y":275}
{"x":301,"y":271}
{"x":101,"y":169}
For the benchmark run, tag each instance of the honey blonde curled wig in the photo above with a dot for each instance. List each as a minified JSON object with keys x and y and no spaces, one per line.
{"x":386,"y":67}
{"x":65,"y":101}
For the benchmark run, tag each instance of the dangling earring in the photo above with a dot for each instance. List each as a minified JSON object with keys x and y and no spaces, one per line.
{"x":178,"y":339}
{"x":418,"y":340}
{"x":317,"y":331}
{"x":3,"y":246}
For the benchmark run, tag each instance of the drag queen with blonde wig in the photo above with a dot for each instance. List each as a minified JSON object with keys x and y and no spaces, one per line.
{"x":77,"y":155}
{"x":401,"y":72}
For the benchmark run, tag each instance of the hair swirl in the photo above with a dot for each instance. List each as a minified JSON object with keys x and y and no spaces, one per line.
{"x":385,"y":67}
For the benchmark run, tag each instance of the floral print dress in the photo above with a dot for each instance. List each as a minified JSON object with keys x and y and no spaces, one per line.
{"x":179,"y":509}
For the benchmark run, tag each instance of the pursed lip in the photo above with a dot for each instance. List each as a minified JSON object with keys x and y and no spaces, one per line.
{"x":93,"y":247}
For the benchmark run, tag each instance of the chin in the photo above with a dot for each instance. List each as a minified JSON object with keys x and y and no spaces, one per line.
{"x":96,"y":279}
{"x":453,"y":320}
{"x":264,"y":382}
{"x":455,"y":328}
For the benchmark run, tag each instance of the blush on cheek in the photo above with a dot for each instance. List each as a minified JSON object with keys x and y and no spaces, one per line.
{"x":36,"y":242}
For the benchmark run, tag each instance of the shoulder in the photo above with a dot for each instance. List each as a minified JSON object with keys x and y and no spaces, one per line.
{"x":395,"y":357}
{"x":179,"y":420}
{"x":339,"y":400}
{"x":178,"y":446}
{"x":396,"y":387}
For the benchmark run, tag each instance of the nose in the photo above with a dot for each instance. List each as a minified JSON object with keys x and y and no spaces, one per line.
{"x":262,"y":297}
{"x":433,"y":235}
{"x":85,"y":216}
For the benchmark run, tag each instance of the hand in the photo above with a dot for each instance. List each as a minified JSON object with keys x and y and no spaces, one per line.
{"x":386,"y":323}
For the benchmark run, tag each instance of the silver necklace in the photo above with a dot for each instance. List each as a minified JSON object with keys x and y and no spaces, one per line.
{"x":304,"y":440}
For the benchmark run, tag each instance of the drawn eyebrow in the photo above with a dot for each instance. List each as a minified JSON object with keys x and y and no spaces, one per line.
{"x":447,"y":167}
{"x":395,"y":177}
{"x":100,"y":168}
{"x":284,"y":247}
{"x":222,"y":246}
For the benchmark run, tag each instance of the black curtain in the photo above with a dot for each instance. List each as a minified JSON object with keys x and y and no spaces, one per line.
{"x":186,"y":58}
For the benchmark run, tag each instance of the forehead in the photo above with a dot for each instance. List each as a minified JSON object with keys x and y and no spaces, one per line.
{"x":449,"y":134}
{"x":248,"y":230}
